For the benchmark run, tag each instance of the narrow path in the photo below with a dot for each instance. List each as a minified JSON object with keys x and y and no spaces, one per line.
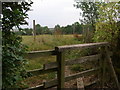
{"x":72,"y":83}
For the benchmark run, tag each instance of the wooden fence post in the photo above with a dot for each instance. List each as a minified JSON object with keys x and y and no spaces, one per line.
{"x":34,"y":30}
{"x":112,"y":68}
{"x":61,"y":68}
{"x":103,"y":66}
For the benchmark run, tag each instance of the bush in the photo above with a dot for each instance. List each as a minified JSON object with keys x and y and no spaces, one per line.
{"x":14,"y":15}
{"x":13,"y":61}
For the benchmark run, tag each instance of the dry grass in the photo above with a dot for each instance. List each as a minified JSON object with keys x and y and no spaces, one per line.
{"x":45,"y":42}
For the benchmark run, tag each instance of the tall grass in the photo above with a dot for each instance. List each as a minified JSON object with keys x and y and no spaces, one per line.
{"x":45,"y":42}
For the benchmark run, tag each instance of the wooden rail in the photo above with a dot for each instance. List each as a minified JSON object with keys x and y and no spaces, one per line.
{"x":35,"y":54}
{"x":71,"y":77}
{"x":59,"y":65}
{"x":74,"y":61}
{"x":81,"y":46}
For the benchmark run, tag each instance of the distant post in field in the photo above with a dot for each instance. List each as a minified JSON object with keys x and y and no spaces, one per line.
{"x":73,"y":29}
{"x":34,"y":30}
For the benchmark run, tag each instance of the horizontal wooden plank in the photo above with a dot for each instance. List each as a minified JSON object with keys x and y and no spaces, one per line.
{"x":38,"y":87}
{"x":35,"y":54}
{"x":74,"y":61}
{"x":92,"y":82}
{"x":53,"y":83}
{"x":87,"y":72}
{"x":81,"y":46}
{"x":83,"y":59}
{"x":40,"y":71}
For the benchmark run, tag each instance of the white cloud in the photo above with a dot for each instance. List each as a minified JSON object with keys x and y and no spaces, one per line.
{"x":52,"y":12}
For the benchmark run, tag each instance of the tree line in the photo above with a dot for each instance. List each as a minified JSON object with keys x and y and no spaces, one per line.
{"x":103,"y":18}
{"x":75,"y":28}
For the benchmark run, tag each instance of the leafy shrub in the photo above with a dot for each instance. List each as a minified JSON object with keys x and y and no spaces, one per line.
{"x":14,"y":15}
{"x":13,"y":61}
{"x":108,"y":29}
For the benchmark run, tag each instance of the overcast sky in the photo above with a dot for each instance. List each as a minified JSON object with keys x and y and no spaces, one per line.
{"x":52,"y":12}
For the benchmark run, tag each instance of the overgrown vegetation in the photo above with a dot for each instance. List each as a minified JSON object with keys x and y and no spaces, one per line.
{"x":14,"y":15}
{"x":100,"y":23}
{"x":43,"y":43}
{"x":104,"y":18}
{"x":75,"y":28}
{"x":108,"y":29}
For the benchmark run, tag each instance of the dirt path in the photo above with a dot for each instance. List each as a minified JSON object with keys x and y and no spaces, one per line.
{"x":72,"y":83}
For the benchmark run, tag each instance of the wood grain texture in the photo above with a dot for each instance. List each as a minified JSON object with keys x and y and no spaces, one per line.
{"x":74,"y":61}
{"x":35,"y":54}
{"x":81,"y":46}
{"x":68,"y":78}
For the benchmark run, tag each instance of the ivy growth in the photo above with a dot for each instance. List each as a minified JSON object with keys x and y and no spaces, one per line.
{"x":14,"y":15}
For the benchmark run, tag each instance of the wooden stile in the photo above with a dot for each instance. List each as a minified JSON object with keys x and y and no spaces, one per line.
{"x":55,"y":82}
{"x":60,"y":64}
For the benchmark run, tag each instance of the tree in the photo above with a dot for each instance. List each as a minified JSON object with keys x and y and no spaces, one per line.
{"x":57,"y":30}
{"x":89,"y":17}
{"x":14,"y":15}
{"x":42,"y":30}
{"x":46,"y":30}
{"x":38,"y":29}
{"x":108,"y":29}
{"x":89,"y":12}
{"x":77,"y":28}
{"x":67,"y":29}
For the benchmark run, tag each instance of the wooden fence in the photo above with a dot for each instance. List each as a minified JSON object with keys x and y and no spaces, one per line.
{"x":59,"y":65}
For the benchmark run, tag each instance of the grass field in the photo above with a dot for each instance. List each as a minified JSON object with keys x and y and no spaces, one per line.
{"x":45,"y":42}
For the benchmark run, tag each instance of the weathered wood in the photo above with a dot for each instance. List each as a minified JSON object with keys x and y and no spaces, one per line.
{"x":40,"y":71}
{"x":103,"y":66}
{"x":81,"y":46}
{"x":51,"y":83}
{"x":54,"y":82}
{"x":74,"y":61}
{"x":80,"y":83}
{"x":112,"y":69}
{"x":35,"y":54}
{"x":92,"y":82}
{"x":39,"y":87}
{"x":60,"y":64}
{"x":83,"y":59}
{"x":34,"y":30}
{"x":50,"y":65}
{"x":61,"y":69}
{"x":87,"y":72}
